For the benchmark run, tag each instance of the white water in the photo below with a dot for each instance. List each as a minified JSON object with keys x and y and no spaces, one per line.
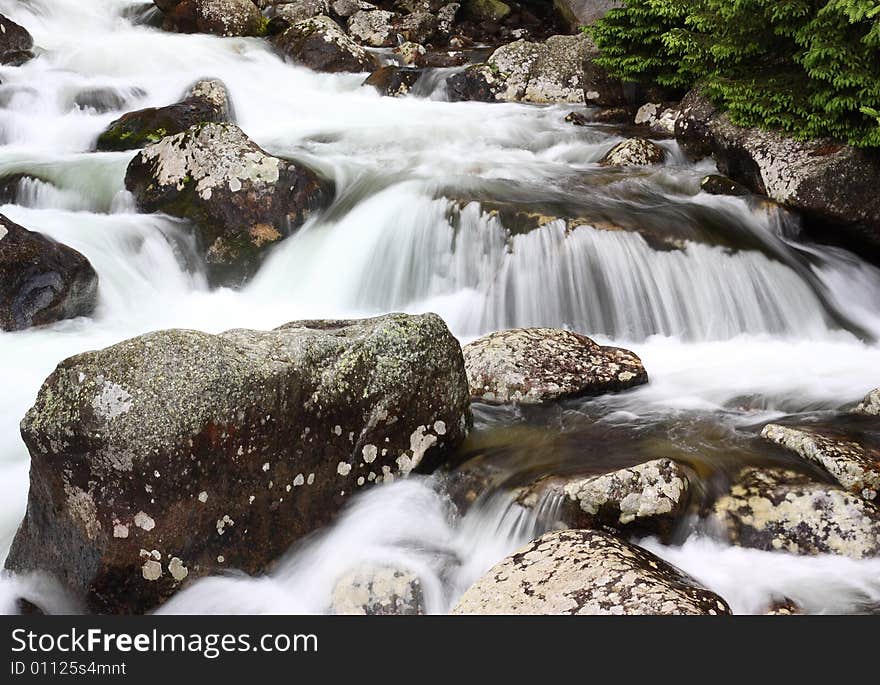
{"x":711,"y":324}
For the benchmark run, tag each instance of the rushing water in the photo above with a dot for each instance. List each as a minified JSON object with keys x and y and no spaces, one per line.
{"x":738,"y":319}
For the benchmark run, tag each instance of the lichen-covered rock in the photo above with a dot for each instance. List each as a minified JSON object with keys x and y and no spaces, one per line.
{"x":559,"y":70}
{"x":534,"y":365}
{"x":446,"y":18}
{"x":411,"y":54}
{"x":419,"y":27}
{"x":634,"y":152}
{"x":320,"y":44}
{"x":295,"y":12}
{"x":206,"y":101}
{"x":647,"y":497}
{"x":854,"y":466}
{"x":218,"y":17}
{"x":177,"y":454}
{"x":240,"y":198}
{"x":393,"y":81}
{"x":41,"y":281}
{"x":870,"y":405}
{"x":779,"y":509}
{"x":346,"y":8}
{"x":16,"y":44}
{"x":656,"y":117}
{"x":378,"y":591}
{"x":374,"y":28}
{"x":587,"y":572}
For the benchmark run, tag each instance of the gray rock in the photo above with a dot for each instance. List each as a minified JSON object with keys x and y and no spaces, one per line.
{"x":241,"y":199}
{"x":301,"y":10}
{"x":648,"y":497}
{"x":854,"y":466}
{"x":657,"y":117}
{"x":41,"y":281}
{"x":374,"y":28}
{"x":218,"y":17}
{"x":634,"y":152}
{"x":559,"y":70}
{"x":419,"y":27}
{"x":870,"y":405}
{"x":534,"y":365}
{"x":378,"y":591}
{"x":346,"y":8}
{"x":177,"y":454}
{"x":577,"y":13}
{"x":587,"y":572}
{"x":16,"y":44}
{"x":206,"y":101}
{"x":779,"y":509}
{"x":320,"y":44}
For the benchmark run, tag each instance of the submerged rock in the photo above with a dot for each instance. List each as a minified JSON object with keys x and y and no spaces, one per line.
{"x":779,"y":509}
{"x":218,"y":17}
{"x":241,"y":199}
{"x":177,"y":454}
{"x":534,"y":365}
{"x":648,"y":497}
{"x":393,"y":81}
{"x":587,"y":572}
{"x":634,"y":152}
{"x":559,"y":70}
{"x":320,"y":44}
{"x":206,"y":101}
{"x":855,"y":467}
{"x":870,"y":405}
{"x":41,"y":281}
{"x":378,"y":591}
{"x":16,"y":43}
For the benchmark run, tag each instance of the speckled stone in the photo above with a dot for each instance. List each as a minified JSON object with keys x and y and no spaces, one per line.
{"x":587,"y":572}
{"x":180,"y":444}
{"x":870,"y":405}
{"x":320,"y":44}
{"x":634,"y":152}
{"x":378,"y":591}
{"x":779,"y":509}
{"x":854,"y":466}
{"x":534,"y":365}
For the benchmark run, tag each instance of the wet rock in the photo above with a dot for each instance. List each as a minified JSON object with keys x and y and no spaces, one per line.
{"x":634,"y":152}
{"x":657,"y":117}
{"x":374,"y":28}
{"x":855,"y":467}
{"x":716,"y":184}
{"x":378,"y":591}
{"x":411,"y":54}
{"x":577,"y":119}
{"x":559,"y":70}
{"x":178,"y":454}
{"x":393,"y":81}
{"x":649,"y":497}
{"x":783,"y":606}
{"x":587,"y":572}
{"x":16,"y":43}
{"x":870,"y":405}
{"x":218,"y":17}
{"x":779,"y":509}
{"x":41,"y":281}
{"x":320,"y":44}
{"x":419,"y":27}
{"x":534,"y":365}
{"x":241,"y":199}
{"x":206,"y":101}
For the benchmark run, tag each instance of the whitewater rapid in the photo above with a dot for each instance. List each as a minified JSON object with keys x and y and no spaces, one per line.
{"x":744,"y":309}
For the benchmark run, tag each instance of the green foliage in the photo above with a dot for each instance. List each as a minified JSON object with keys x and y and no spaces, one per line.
{"x":806,"y":67}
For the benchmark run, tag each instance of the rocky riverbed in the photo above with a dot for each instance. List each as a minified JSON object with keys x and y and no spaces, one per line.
{"x":409,"y":307}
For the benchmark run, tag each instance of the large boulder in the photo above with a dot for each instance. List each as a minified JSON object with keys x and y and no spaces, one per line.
{"x":855,"y":466}
{"x":634,"y":152}
{"x":535,"y":365}
{"x":780,"y":509}
{"x":587,"y":572}
{"x":378,"y":591}
{"x":559,"y":70}
{"x":832,"y":184}
{"x":16,"y":44}
{"x":375,"y":28}
{"x":218,"y":17}
{"x":577,"y":13}
{"x":870,"y":406}
{"x":206,"y":101}
{"x":41,"y":281}
{"x":241,"y":199}
{"x":649,"y":497}
{"x":320,"y":44}
{"x":178,"y":454}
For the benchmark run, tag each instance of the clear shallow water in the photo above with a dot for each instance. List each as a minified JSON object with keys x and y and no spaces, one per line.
{"x":744,"y":323}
